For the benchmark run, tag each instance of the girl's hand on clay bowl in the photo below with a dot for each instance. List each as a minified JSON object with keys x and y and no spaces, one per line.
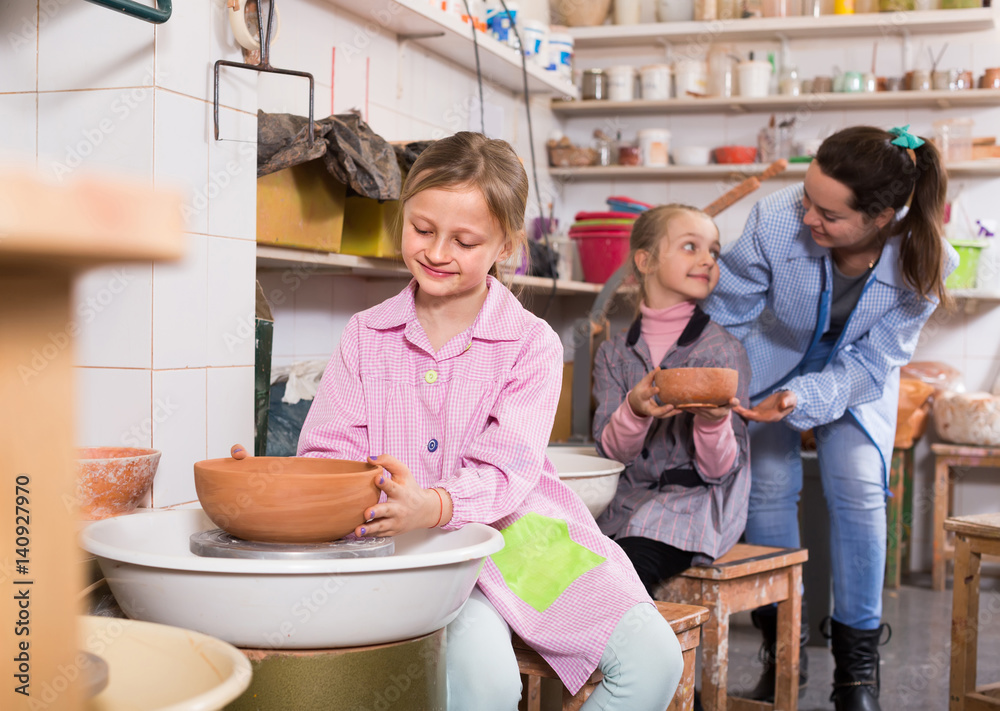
{"x":408,"y":505}
{"x":642,"y":399}
{"x":773,"y":408}
{"x":713,"y":413}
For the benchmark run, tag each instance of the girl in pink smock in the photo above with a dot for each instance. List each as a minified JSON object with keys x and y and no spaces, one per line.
{"x":683,"y":496}
{"x":454,"y":385}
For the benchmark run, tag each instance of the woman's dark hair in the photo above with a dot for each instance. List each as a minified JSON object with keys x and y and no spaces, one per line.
{"x":882,"y":175}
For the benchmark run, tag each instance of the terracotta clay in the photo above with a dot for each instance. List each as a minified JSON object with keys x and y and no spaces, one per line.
{"x":113,"y":480}
{"x":697,"y":386}
{"x":286,"y":499}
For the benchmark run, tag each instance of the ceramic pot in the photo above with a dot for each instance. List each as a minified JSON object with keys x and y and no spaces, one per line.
{"x":581,"y":13}
{"x":735,"y":154}
{"x":112,"y":481}
{"x":697,"y":386}
{"x":990,"y":79}
{"x":286,"y":499}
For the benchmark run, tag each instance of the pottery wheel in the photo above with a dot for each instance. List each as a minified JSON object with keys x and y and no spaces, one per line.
{"x":216,"y":543}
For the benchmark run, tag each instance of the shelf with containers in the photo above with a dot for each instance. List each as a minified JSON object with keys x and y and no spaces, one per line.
{"x":980,"y":168}
{"x":306,"y":261}
{"x":764,"y":104}
{"x":446,"y":35}
{"x":801,"y":27}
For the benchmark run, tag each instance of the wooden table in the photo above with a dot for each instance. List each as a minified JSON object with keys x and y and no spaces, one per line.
{"x":974,"y":536}
{"x":48,"y":234}
{"x":948,"y":457}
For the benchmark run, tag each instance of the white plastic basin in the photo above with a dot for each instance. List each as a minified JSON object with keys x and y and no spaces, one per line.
{"x":311,"y":604}
{"x":162,"y":668}
{"x":593,"y":478}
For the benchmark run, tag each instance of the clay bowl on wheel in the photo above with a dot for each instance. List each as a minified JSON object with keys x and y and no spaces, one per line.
{"x":697,"y":387}
{"x":286,"y":499}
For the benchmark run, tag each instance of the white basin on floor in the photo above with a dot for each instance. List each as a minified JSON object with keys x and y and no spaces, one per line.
{"x":593,"y":478}
{"x":162,"y":668}
{"x":275,"y":604}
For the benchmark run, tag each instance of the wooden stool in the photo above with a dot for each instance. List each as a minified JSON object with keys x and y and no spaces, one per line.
{"x":899,"y":515}
{"x":685,"y":620}
{"x":974,"y":536}
{"x":948,"y":457}
{"x":745,"y":578}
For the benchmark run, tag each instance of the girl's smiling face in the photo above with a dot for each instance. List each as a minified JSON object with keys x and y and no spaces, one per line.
{"x":450,"y":241}
{"x":686,"y":265}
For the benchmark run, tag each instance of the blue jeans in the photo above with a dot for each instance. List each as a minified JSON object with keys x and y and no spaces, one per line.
{"x":851,"y":471}
{"x":642,"y":662}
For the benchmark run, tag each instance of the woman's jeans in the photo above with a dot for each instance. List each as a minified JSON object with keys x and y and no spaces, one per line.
{"x":851,"y":471}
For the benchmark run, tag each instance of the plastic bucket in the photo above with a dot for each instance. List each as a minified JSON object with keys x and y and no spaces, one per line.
{"x":964,"y":276}
{"x":601,"y":253}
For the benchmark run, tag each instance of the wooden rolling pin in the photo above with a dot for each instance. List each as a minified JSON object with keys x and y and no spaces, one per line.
{"x":745,"y":188}
{"x":728,"y":198}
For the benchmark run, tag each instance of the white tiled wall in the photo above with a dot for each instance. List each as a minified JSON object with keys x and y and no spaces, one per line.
{"x":85,"y":89}
{"x":164,"y":362}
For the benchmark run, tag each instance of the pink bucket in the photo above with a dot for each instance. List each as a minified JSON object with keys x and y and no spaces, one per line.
{"x":601,"y":253}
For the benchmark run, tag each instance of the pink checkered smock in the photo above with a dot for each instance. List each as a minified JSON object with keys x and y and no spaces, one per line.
{"x":475,"y":418}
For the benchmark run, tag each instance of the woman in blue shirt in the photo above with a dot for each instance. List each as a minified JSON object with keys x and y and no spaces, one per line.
{"x":828,"y":288}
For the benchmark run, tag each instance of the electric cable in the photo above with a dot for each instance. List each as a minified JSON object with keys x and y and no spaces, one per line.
{"x":479,"y":73}
{"x":544,"y":226}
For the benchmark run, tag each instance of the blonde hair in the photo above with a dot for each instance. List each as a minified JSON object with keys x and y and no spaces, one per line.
{"x":469,"y":159}
{"x":647,"y":232}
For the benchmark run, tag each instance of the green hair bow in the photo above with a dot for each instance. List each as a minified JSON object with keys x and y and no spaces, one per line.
{"x":904,"y":138}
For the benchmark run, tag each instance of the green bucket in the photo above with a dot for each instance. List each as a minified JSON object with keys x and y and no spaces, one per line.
{"x":964,"y":276}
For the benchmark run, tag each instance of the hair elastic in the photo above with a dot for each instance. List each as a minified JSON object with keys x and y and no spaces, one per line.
{"x":441,"y":510}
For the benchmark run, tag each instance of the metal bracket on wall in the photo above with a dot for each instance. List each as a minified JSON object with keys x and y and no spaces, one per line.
{"x":263,"y":66}
{"x":156,"y":15}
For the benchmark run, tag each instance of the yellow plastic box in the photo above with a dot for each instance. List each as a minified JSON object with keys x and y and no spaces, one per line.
{"x":368,"y":227}
{"x":301,"y":206}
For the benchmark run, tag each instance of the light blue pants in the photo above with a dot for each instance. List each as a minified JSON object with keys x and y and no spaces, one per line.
{"x":851,"y":471}
{"x":641,"y":664}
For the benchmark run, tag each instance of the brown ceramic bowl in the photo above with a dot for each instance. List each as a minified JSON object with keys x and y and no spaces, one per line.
{"x":687,"y":387}
{"x":286,"y":499}
{"x":111,"y":481}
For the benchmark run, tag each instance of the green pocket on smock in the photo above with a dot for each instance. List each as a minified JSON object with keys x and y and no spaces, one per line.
{"x":539,"y":560}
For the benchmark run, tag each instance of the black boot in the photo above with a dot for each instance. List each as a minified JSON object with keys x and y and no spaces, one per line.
{"x":856,"y":678}
{"x":766,"y":620}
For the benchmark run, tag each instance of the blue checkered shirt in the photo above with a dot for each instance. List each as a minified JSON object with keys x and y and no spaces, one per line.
{"x":774,"y":295}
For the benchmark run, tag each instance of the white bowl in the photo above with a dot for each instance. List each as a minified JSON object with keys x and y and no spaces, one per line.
{"x":162,"y":668}
{"x":308,"y":604}
{"x":593,"y":478}
{"x":692,"y":155}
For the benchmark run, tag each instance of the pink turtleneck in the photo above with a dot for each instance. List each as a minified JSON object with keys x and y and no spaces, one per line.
{"x":714,"y":442}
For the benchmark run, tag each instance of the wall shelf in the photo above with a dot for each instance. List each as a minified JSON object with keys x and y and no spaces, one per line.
{"x":766,"y":104}
{"x":304,"y":262}
{"x":983,"y":168}
{"x":446,"y":35}
{"x":773,"y":28}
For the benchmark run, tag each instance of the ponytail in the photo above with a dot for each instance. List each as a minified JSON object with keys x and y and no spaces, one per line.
{"x":881,"y":174}
{"x":923,"y":226}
